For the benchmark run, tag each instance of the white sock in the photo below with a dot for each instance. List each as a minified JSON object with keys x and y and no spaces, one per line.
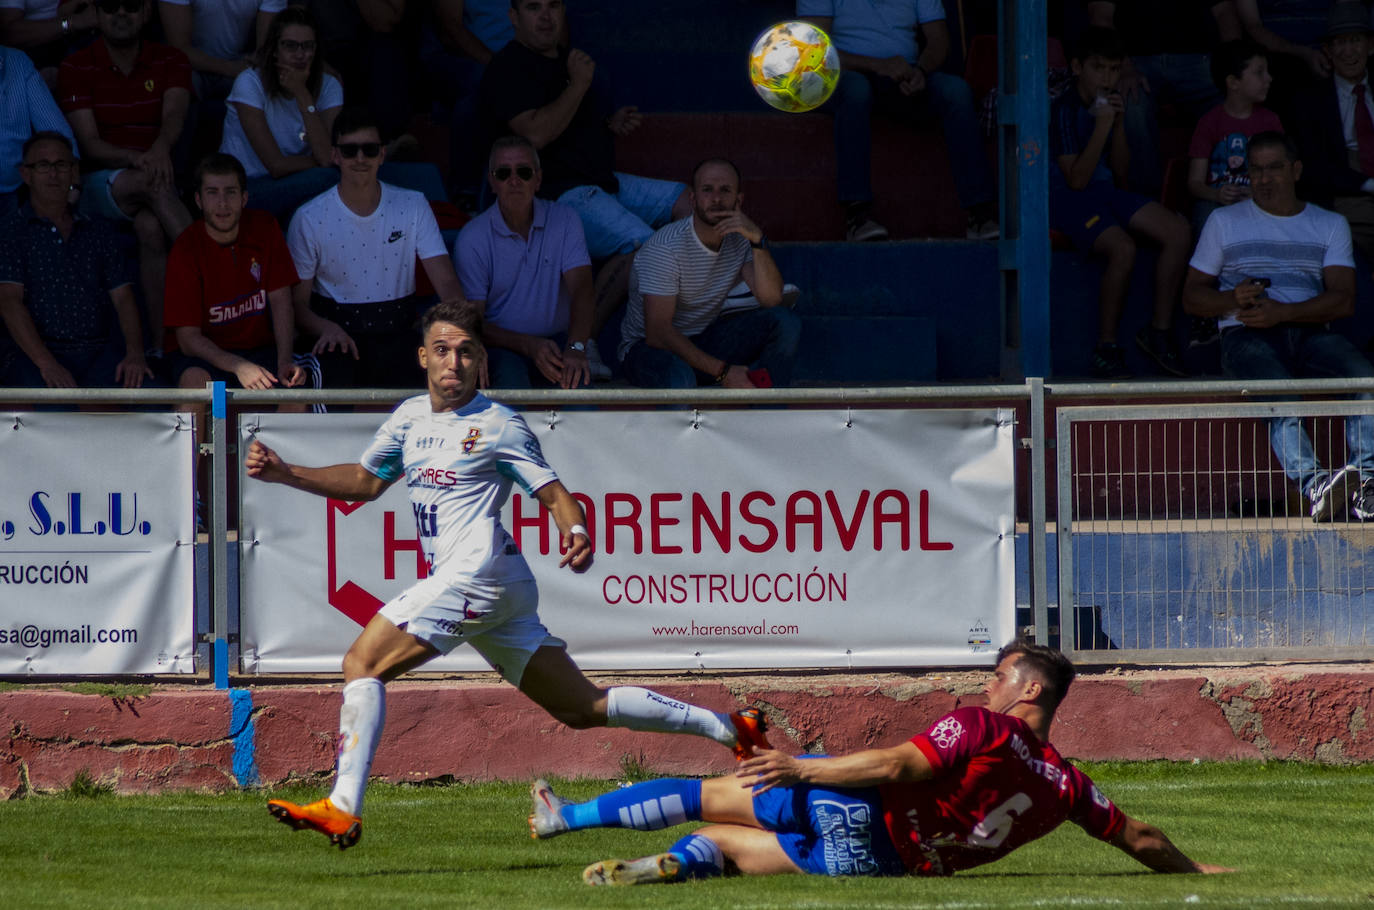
{"x":360,"y":727}
{"x":644,"y":709}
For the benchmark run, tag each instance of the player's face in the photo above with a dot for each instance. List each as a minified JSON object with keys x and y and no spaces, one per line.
{"x":221,"y":201}
{"x":1349,"y":55}
{"x":514,"y":178}
{"x":452,"y":360}
{"x":1007,"y":687}
{"x":538,"y":23}
{"x":715,"y":193}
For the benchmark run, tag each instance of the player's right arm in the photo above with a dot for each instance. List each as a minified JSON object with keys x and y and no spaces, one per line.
{"x":351,"y":482}
{"x":1150,"y":846}
{"x":770,"y":768}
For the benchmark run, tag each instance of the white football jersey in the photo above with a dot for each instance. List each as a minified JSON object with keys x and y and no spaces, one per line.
{"x":459,"y":466}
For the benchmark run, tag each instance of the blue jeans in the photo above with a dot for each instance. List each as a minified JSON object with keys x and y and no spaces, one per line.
{"x":507,"y":369}
{"x":1288,"y":351}
{"x":760,"y":338}
{"x":1183,"y":80}
{"x":949,"y":97}
{"x":621,"y":222}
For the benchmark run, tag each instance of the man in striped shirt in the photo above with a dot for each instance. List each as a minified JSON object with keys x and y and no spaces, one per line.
{"x":674,"y":335}
{"x":1276,"y":271}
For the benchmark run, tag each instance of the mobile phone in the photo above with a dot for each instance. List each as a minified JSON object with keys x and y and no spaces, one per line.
{"x":1260,"y":282}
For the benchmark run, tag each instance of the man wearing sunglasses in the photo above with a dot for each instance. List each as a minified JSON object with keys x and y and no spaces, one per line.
{"x":355,"y":247}
{"x":126,"y":100}
{"x":524,"y":261}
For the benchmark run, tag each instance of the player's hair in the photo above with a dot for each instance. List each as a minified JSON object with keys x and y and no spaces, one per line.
{"x":1098,"y":41}
{"x":1274,"y":139}
{"x":351,"y":119}
{"x":512,"y":141}
{"x":1231,"y":58}
{"x":265,"y":61}
{"x":1049,"y":665}
{"x":458,"y":313}
{"x":45,"y":136}
{"x":219,"y":164}
{"x":739,"y":178}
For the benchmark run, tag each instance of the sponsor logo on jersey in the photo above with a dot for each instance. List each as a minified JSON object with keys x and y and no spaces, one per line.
{"x":395,"y":235}
{"x":1038,"y":766}
{"x":846,"y":839}
{"x":470,"y":441}
{"x":947,"y":733}
{"x":244,"y":306}
{"x":431,"y":477}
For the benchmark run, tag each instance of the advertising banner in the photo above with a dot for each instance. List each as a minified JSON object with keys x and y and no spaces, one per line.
{"x":97,"y":544}
{"x":724,"y":539}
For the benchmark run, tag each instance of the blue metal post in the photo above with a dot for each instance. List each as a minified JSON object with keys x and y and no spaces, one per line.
{"x":1023,"y":173}
{"x":219,"y":535}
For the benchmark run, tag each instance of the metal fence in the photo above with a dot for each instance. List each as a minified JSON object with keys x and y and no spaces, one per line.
{"x":1170,"y":529}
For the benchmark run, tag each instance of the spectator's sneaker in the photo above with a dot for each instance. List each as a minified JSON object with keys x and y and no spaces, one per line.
{"x":1362,"y":507}
{"x":648,"y":870}
{"x":864,"y":230}
{"x":545,"y":819}
{"x":1202,"y":330}
{"x":750,"y":727}
{"x":982,"y":228}
{"x":600,"y":372}
{"x":1331,"y":494}
{"x":1109,"y":361}
{"x":1159,"y":346}
{"x":342,"y":829}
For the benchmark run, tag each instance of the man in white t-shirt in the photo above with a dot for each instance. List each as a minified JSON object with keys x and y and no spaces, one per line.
{"x":1275,"y":271}
{"x":355,"y":247}
{"x":673,"y":335}
{"x":459,"y":453}
{"x":219,"y":37}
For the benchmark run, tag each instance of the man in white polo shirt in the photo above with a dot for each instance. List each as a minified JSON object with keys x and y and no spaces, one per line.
{"x":355,"y":248}
{"x":673,"y":335}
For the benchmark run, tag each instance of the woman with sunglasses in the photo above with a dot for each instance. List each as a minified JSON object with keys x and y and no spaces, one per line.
{"x":279,"y":117}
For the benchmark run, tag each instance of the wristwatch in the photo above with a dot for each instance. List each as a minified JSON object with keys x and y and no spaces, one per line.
{"x":577,"y":346}
{"x":310,"y":108}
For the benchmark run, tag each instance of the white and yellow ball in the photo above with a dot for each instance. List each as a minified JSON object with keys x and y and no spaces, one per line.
{"x":794,"y":66}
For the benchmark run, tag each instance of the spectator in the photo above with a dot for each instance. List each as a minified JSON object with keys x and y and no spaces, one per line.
{"x":1276,"y":270}
{"x":1218,"y":169}
{"x":219,"y":37}
{"x":672,"y":335}
{"x":26,"y":107}
{"x":355,"y":248}
{"x":63,"y":284}
{"x":1292,"y":31}
{"x":537,"y":88}
{"x":229,"y":280}
{"x":455,"y":47}
{"x":885,"y":66}
{"x":44,"y":30}
{"x":126,"y":100}
{"x":1168,"y":44}
{"x":1335,"y":127}
{"x":524,"y":262}
{"x":280,"y":115}
{"x":1088,"y":143}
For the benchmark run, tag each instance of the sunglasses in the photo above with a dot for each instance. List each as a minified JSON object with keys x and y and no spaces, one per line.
{"x":502,"y":173}
{"x":113,"y":6}
{"x":351,"y":149}
{"x":293,"y":47}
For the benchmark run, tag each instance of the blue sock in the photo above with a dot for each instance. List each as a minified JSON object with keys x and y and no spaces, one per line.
{"x":700,"y":857}
{"x":648,"y":806}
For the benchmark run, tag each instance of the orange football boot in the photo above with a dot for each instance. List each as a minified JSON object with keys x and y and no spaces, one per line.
{"x":342,"y":829}
{"x":750,"y":727}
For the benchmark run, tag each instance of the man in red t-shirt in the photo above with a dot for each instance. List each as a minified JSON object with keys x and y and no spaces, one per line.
{"x":229,"y":279}
{"x":126,"y":100}
{"x":975,"y":786}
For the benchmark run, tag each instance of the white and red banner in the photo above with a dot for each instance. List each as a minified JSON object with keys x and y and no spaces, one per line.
{"x":724,"y":539}
{"x":97,"y":535}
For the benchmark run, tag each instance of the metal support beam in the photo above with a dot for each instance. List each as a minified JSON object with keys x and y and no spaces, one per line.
{"x":219,"y":535}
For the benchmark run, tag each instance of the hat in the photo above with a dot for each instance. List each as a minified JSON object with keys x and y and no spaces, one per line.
{"x":1345,"y":17}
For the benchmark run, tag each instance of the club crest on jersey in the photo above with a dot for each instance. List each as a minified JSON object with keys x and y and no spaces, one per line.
{"x":946,"y":733}
{"x":255,"y":269}
{"x":470,"y":441}
{"x":535,"y":453}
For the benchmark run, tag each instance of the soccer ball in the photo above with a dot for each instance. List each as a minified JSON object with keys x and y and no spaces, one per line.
{"x":794,"y":66}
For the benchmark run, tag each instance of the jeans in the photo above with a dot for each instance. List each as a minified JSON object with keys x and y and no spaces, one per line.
{"x":621,"y":222}
{"x":1284,"y":352}
{"x":507,"y":369}
{"x":765,"y":338}
{"x":949,"y":97}
{"x":1184,"y":80}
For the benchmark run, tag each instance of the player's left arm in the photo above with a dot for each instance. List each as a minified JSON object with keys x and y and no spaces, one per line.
{"x":770,"y":768}
{"x":1150,"y":846}
{"x":567,"y":513}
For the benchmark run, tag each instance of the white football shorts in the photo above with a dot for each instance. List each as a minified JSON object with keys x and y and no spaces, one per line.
{"x":500,"y":621}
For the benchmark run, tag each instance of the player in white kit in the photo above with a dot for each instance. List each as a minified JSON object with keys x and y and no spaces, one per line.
{"x":459,"y":453}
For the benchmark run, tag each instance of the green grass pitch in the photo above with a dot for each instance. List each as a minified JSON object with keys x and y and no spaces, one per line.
{"x":1299,"y":835}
